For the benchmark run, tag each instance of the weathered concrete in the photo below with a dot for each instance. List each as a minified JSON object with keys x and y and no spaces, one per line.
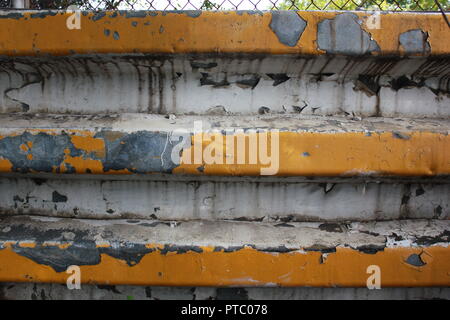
{"x":218,"y":198}
{"x":40,"y":249}
{"x":48,"y":291}
{"x":98,"y":134}
{"x":298,"y":145}
{"x":194,"y":84}
{"x":25,"y":33}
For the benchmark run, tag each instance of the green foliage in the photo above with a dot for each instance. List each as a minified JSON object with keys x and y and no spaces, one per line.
{"x":395,"y":5}
{"x":403,"y":5}
{"x":209,"y":5}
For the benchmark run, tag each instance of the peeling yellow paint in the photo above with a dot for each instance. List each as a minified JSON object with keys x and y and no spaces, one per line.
{"x":5,"y":165}
{"x":210,"y":32}
{"x":351,"y":153}
{"x":27,"y":244}
{"x":89,"y":144}
{"x":247,"y":267}
{"x":83,"y":165}
{"x":300,"y":153}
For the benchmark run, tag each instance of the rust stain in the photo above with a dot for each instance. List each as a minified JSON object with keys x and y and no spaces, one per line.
{"x":346,"y":267}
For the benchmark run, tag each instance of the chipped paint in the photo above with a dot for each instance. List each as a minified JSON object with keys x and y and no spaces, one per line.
{"x":49,"y":291}
{"x":148,"y":263}
{"x":288,"y":26}
{"x":147,"y":152}
{"x":182,"y":199}
{"x":230,"y":32}
{"x":344,"y":35}
{"x":324,"y":81}
{"x":415,"y":42}
{"x":330,"y":85}
{"x":389,"y":149}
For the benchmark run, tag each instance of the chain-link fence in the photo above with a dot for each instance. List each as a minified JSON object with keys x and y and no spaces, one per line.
{"x":385,"y":5}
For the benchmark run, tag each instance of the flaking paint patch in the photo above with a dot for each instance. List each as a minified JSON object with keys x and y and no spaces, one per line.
{"x":249,"y":12}
{"x":151,"y":151}
{"x":415,"y":260}
{"x":415,"y":42}
{"x":12,"y":15}
{"x":99,"y":15}
{"x":48,"y":151}
{"x":189,"y":13}
{"x":126,"y":152}
{"x":135,"y":14}
{"x":344,"y":35}
{"x":43,"y":14}
{"x":288,"y":27}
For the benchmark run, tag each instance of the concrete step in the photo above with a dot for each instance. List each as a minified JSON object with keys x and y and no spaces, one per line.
{"x":325,"y":63}
{"x":214,"y":198}
{"x":198,"y":253}
{"x":225,"y":149}
{"x":293,"y":145}
{"x":388,"y":87}
{"x":55,"y":291}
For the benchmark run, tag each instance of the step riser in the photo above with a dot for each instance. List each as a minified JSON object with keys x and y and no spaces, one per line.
{"x":283,"y":146}
{"x":216,"y":200}
{"x":224,"y":253}
{"x":192,"y":85}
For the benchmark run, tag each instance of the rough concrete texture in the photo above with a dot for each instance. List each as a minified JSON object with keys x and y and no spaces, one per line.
{"x":221,"y":198}
{"x":60,"y":243}
{"x":91,"y":111}
{"x":329,"y":85}
{"x":307,"y":145}
{"x":41,"y":291}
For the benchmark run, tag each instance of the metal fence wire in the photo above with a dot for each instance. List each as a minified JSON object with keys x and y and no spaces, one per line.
{"x":368,"y":5}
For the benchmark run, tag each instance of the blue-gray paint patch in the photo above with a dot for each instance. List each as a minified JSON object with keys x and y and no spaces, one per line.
{"x":249,"y":12}
{"x":344,"y":35}
{"x":12,"y":15}
{"x":288,"y":27}
{"x":98,"y":16}
{"x":107,"y":32}
{"x":47,"y":151}
{"x":43,"y":14}
{"x":415,"y":42}
{"x":139,"y":152}
{"x":415,"y":260}
{"x":189,"y":13}
{"x":135,"y":14}
{"x":116,"y":35}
